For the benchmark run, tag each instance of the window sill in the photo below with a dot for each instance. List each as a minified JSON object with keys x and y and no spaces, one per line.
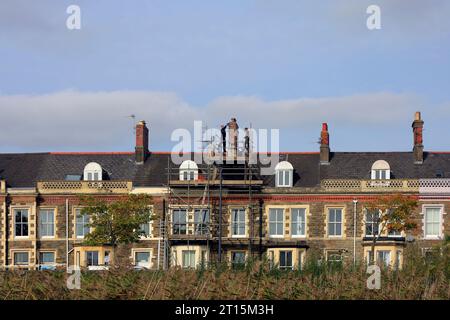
{"x":432,"y":238}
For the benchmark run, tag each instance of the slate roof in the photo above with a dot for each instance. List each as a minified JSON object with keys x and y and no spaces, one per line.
{"x":24,"y":170}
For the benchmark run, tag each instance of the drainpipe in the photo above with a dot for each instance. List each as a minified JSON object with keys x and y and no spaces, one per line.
{"x":67,"y":235}
{"x":355,"y":203}
{"x":220,"y":216}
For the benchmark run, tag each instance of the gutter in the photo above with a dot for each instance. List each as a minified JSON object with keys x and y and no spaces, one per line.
{"x":355,"y":203}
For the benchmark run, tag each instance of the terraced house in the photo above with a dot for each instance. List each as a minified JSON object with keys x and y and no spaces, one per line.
{"x":214,"y":211}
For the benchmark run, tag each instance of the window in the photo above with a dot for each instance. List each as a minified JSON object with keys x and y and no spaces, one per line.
{"x":372,"y":220}
{"x":47,"y":258}
{"x":238,"y":222}
{"x":21,"y":222}
{"x":276,"y":222}
{"x":398,"y":260}
{"x":298,"y":222}
{"x":188,"y":170}
{"x":432,"y":222}
{"x":237,"y":259}
{"x":142,"y":259}
{"x":145,"y":228}
{"x":204,"y":258}
{"x":93,"y":172}
{"x":179,"y":221}
{"x":47,"y":222}
{"x":284,"y":174}
{"x":82,"y":224}
{"x":188,"y":257}
{"x":106,"y":258}
{"x":381,"y":170}
{"x":201,"y":221}
{"x":21,"y":258}
{"x":384,"y":257}
{"x":334,"y":256}
{"x":335,"y":222}
{"x":92,"y":258}
{"x":286,"y":260}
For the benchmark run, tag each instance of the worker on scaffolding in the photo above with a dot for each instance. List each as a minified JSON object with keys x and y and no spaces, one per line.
{"x":247,"y":142}
{"x":223,"y":130}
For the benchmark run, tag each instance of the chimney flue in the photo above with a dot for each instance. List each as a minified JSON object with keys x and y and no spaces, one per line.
{"x":141,"y":150}
{"x":417,"y":126}
{"x":324,"y":145}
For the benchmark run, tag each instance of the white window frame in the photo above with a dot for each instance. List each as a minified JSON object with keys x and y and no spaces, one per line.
{"x":188,"y":171}
{"x":276,"y":222}
{"x":93,"y":172}
{"x":366,"y":211}
{"x":341,"y":222}
{"x":379,"y":169}
{"x":47,"y":224}
{"x":48,"y":263}
{"x":286,"y":267}
{"x":21,"y":223}
{"x":87,"y":261}
{"x":149,"y":225}
{"x":234,"y":263}
{"x":201,"y":228}
{"x":284,"y":173}
{"x":235,"y":224}
{"x":143,"y":250}
{"x":21,"y":252}
{"x":304,"y":222}
{"x":180,"y":224}
{"x":192,"y":259}
{"x":78,"y":213}
{"x":441,"y":220}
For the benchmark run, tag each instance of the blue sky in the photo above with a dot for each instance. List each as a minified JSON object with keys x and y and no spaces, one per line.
{"x":276,"y":64}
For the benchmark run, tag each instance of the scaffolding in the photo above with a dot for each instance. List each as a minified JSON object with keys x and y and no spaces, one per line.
{"x":205,"y":191}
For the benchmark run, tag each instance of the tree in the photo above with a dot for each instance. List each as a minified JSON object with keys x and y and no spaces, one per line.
{"x":391,"y":213}
{"x":117,"y":222}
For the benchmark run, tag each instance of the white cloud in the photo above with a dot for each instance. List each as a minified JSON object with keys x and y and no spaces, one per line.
{"x":97,"y":121}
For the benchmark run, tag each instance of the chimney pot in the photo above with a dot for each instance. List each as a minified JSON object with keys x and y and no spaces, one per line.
{"x":324,"y":145}
{"x":141,"y":149}
{"x":417,"y":126}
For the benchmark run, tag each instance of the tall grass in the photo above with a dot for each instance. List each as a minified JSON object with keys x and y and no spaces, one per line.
{"x":420,"y":278}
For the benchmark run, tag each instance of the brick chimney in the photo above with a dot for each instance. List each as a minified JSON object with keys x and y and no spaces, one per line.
{"x":141,"y":150}
{"x":324,"y":145}
{"x":417,"y":126}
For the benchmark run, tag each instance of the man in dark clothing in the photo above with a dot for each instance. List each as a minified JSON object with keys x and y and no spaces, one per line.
{"x":247,"y":142}
{"x":223,"y":129}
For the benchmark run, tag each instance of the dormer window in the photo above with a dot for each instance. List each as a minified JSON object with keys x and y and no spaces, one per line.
{"x":93,"y":172}
{"x":188,"y":170}
{"x":381,"y":170}
{"x":283,"y":174}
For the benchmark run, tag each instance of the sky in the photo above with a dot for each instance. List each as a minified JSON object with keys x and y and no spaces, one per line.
{"x":272,"y":64}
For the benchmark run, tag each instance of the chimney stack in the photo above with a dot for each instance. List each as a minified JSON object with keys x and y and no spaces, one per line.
{"x":417,"y":126}
{"x":141,"y":150}
{"x":324,"y":145}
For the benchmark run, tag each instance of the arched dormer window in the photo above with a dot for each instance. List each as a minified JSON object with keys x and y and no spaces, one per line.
{"x":284,"y":172}
{"x":93,"y":172}
{"x":380,"y":170}
{"x":188,"y":170}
